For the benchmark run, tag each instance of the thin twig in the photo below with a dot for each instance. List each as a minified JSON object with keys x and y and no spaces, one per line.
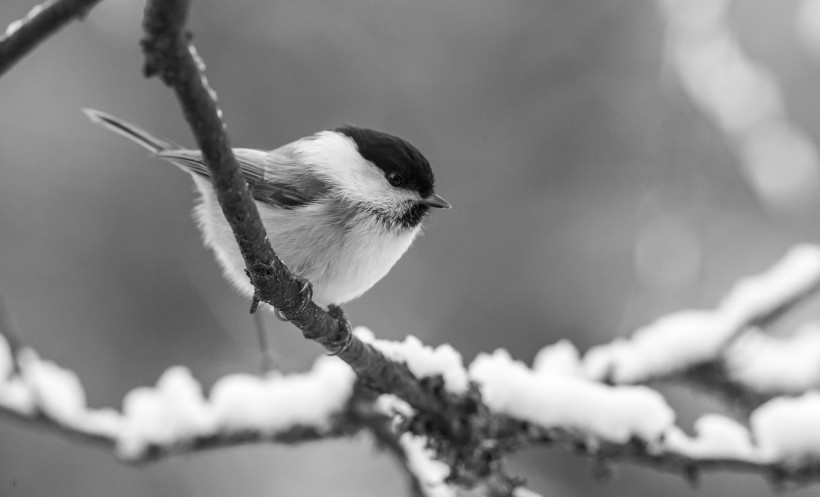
{"x":42,"y":21}
{"x":268,"y":356}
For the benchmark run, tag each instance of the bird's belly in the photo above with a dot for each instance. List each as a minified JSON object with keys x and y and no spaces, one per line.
{"x":341,"y":263}
{"x":360,"y":263}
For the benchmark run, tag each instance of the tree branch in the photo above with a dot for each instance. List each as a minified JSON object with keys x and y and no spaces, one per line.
{"x":174,"y":417}
{"x":170,"y":55}
{"x":41,"y":22}
{"x":690,"y":339}
{"x":518,"y":407}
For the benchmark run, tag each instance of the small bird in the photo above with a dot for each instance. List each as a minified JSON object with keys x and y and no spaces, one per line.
{"x":340,"y":207}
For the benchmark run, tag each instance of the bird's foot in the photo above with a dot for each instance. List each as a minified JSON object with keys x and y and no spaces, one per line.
{"x":346,"y":338}
{"x":306,"y":292}
{"x":279,"y":315}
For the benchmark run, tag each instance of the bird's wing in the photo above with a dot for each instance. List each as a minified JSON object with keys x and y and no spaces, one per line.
{"x":272,"y":177}
{"x":276,"y":178}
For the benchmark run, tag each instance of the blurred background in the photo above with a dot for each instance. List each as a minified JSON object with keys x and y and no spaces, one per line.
{"x":608,"y":162}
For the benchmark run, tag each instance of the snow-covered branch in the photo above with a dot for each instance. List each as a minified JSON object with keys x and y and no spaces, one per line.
{"x":175,"y":416}
{"x":495,"y":405}
{"x":726,"y":348}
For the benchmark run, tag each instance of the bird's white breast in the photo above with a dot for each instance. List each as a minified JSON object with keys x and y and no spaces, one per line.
{"x":342,"y":258}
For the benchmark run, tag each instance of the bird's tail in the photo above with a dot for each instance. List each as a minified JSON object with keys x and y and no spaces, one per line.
{"x":152,"y":142}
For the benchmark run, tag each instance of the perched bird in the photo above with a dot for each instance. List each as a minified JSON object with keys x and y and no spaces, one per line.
{"x":340,"y":207}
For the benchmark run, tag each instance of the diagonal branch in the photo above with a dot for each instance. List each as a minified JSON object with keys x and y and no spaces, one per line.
{"x":170,"y":55}
{"x":41,"y":22}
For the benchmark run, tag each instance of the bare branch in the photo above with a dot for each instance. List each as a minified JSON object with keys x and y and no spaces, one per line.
{"x":41,"y":22}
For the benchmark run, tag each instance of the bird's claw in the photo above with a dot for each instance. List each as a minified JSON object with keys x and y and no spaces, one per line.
{"x":307,"y":296}
{"x":344,"y":327}
{"x":279,"y":315}
{"x":306,"y":291}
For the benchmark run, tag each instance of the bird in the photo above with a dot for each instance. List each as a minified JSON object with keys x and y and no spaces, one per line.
{"x":340,"y":207}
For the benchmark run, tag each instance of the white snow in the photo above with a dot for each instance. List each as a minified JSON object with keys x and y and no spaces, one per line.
{"x":16,"y":396}
{"x":57,"y":392}
{"x":785,"y":429}
{"x":677,"y":341}
{"x":773,"y":365}
{"x":759,"y":295}
{"x":391,"y":405}
{"x":612,"y":413}
{"x":44,"y":387}
{"x":422,"y":360}
{"x":560,"y":358}
{"x":429,"y":472}
{"x":716,"y":437}
{"x":14,"y":393}
{"x":176,"y":410}
{"x":669,"y":344}
{"x":173,"y":410}
{"x":561,"y":390}
{"x":246,"y":402}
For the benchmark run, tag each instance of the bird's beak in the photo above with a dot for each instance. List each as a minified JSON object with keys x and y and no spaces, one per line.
{"x":434,"y":200}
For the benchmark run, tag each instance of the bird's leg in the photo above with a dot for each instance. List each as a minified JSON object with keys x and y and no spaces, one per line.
{"x":344,"y":327}
{"x":268,"y":356}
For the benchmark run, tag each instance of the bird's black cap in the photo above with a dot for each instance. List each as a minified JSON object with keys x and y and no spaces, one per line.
{"x":391,"y":154}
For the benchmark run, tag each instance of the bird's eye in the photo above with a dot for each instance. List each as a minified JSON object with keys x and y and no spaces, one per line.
{"x":395,"y":179}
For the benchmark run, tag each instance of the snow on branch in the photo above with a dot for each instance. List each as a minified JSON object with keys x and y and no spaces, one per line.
{"x":613,"y":422}
{"x":42,"y":21}
{"x":688,"y":339}
{"x":495,"y":406}
{"x":175,"y":416}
